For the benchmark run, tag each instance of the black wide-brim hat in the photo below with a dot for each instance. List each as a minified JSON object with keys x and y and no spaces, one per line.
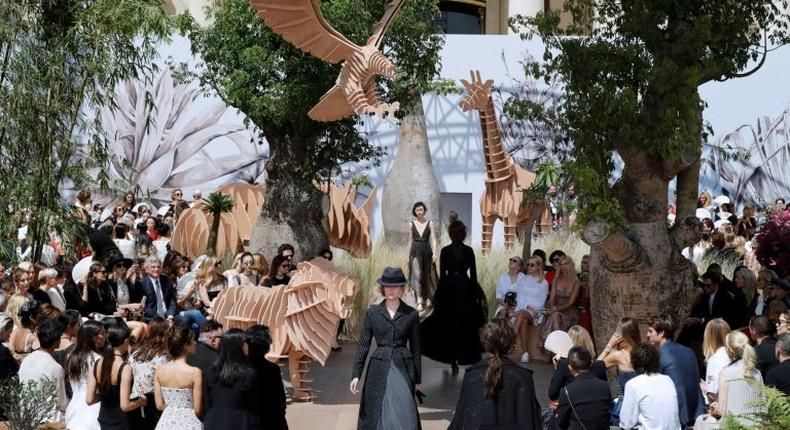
{"x":127,"y":262}
{"x":392,"y":276}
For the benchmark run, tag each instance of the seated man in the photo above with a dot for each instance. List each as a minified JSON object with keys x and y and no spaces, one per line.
{"x":779,"y":376}
{"x":585,"y":402}
{"x":650,"y":399}
{"x":42,"y":368}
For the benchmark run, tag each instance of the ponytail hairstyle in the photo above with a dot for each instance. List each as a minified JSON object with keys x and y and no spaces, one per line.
{"x":498,"y":337}
{"x":738,"y":348}
{"x":117,"y":335}
{"x":178,"y":339}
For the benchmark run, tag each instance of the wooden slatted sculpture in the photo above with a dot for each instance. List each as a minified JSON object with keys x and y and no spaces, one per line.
{"x":302,"y":316}
{"x":301,"y":23}
{"x":504,"y":178}
{"x":347,"y":225}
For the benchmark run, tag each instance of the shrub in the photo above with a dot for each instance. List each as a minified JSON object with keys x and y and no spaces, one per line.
{"x":773,"y":243}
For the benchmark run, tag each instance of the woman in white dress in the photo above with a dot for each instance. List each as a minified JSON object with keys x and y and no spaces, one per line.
{"x":91,"y":340}
{"x":178,"y":387}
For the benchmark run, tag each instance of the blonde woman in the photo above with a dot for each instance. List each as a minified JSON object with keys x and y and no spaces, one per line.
{"x":210,"y":281}
{"x":562,"y":375}
{"x":716,"y":358}
{"x":260,"y":266}
{"x":530,"y":300}
{"x":744,"y":303}
{"x":737,"y":393}
{"x":562,"y":312}
{"x":764,"y":278}
{"x":235,"y":269}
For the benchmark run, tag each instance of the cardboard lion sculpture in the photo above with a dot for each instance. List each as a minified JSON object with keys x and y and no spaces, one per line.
{"x":302,"y":316}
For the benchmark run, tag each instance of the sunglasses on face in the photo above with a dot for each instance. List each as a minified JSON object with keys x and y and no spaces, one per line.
{"x":328,"y":257}
{"x":100,"y":271}
{"x":515,"y":260}
{"x":178,"y":194}
{"x":532,"y":265}
{"x":284,"y":266}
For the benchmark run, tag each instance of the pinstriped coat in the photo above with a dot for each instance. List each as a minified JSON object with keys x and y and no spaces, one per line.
{"x":392,"y":336}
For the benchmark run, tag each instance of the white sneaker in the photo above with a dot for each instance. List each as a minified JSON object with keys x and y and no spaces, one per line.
{"x":525,"y":357}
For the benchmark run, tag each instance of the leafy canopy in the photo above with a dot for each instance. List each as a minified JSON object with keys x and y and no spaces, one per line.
{"x":59,"y":62}
{"x":275,"y":84}
{"x":631,"y":81}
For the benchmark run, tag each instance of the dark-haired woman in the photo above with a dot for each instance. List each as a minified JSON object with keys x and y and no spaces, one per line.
{"x":278,"y":272}
{"x":272,"y":407}
{"x":98,"y":294}
{"x":151,"y":353}
{"x":450,"y":333}
{"x":111,"y":382}
{"x":23,"y":338}
{"x":395,"y":371}
{"x":497,"y":391}
{"x":422,"y":256}
{"x":246,"y":276}
{"x":231,"y":396}
{"x":91,"y":340}
{"x":178,"y":387}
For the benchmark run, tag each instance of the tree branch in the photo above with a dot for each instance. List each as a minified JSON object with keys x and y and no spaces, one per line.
{"x":622,"y":255}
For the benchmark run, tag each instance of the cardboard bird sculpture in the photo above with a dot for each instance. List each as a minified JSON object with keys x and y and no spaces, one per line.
{"x":301,"y":23}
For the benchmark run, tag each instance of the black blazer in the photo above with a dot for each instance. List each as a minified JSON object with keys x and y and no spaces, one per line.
{"x":590,"y":399}
{"x":516,"y":404}
{"x":779,"y":377}
{"x":168,"y":293}
{"x":562,"y":376}
{"x":722,"y":306}
{"x":203,"y":358}
{"x":272,"y":406}
{"x":766,"y":356}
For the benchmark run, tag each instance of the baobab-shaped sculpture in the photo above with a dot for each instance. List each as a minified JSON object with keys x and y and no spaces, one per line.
{"x":505,"y":180}
{"x":302,"y":316}
{"x":301,"y":23}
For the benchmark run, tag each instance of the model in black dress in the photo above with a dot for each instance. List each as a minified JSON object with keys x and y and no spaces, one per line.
{"x":422,"y":251}
{"x":451,"y":333}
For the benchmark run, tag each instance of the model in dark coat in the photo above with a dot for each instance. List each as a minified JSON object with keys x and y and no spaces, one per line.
{"x":451,"y":333}
{"x":516,"y":404}
{"x":392,"y":336}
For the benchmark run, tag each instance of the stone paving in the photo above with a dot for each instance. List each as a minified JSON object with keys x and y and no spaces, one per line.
{"x":335,"y":408}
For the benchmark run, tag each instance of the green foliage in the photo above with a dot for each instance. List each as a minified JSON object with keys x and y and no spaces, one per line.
{"x":216,"y":204}
{"x":275,"y":85}
{"x":59,"y":64}
{"x":774,"y":412}
{"x":26,"y":405}
{"x":631,"y":85}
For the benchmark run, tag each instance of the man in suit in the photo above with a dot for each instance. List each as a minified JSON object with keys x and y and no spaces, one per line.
{"x":715,"y":303}
{"x":680,"y":364}
{"x":585,"y":402}
{"x":207,"y":346}
{"x":764,"y":344}
{"x":779,"y":377}
{"x":159,"y":293}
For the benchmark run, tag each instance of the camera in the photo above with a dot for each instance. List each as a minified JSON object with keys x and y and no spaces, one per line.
{"x":510,"y":299}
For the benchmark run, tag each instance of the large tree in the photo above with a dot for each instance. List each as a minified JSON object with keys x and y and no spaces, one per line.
{"x":632,"y":88}
{"x":275,"y":85}
{"x":59,"y":63}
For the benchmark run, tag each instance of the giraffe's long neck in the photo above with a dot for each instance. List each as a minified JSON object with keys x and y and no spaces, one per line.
{"x":499,"y":165}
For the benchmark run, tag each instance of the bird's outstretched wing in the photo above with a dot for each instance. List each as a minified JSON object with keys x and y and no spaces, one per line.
{"x":333,"y":106}
{"x":300,"y":22}
{"x":381,"y":27}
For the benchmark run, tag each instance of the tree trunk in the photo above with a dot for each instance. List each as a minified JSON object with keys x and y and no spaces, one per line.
{"x":213,"y":233}
{"x":535,"y":210}
{"x":293,"y":211}
{"x":640,"y":272}
{"x":411,"y":179}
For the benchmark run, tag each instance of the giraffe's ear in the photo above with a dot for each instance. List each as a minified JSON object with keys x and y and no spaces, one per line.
{"x":465,"y":83}
{"x":489,"y":83}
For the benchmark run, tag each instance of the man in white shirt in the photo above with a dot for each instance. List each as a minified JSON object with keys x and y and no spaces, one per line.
{"x":42,"y":368}
{"x":650,"y":401}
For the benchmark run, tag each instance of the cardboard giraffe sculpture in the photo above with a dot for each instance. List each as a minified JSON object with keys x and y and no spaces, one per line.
{"x":302,"y":316}
{"x":301,"y":23}
{"x":502,"y":197}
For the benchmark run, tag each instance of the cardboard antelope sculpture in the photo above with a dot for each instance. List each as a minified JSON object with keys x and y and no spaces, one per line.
{"x":502,"y":197}
{"x":348,"y":225}
{"x":302,"y":316}
{"x":301,"y":23}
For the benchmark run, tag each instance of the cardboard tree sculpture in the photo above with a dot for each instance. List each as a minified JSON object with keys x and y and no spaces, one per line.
{"x":347,"y":225}
{"x":504,"y":178}
{"x":301,"y":23}
{"x":303,"y":316}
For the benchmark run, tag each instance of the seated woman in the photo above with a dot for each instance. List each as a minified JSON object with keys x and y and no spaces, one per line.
{"x":618,"y":354}
{"x":246,"y":276}
{"x":496,"y":391}
{"x":127,"y":298}
{"x":210,"y":281}
{"x":23,"y":340}
{"x":716,"y":357}
{"x":562,"y":312}
{"x":508,"y":282}
{"x":97,"y":292}
{"x":737,"y":392}
{"x":278,"y":272}
{"x":530,"y":301}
